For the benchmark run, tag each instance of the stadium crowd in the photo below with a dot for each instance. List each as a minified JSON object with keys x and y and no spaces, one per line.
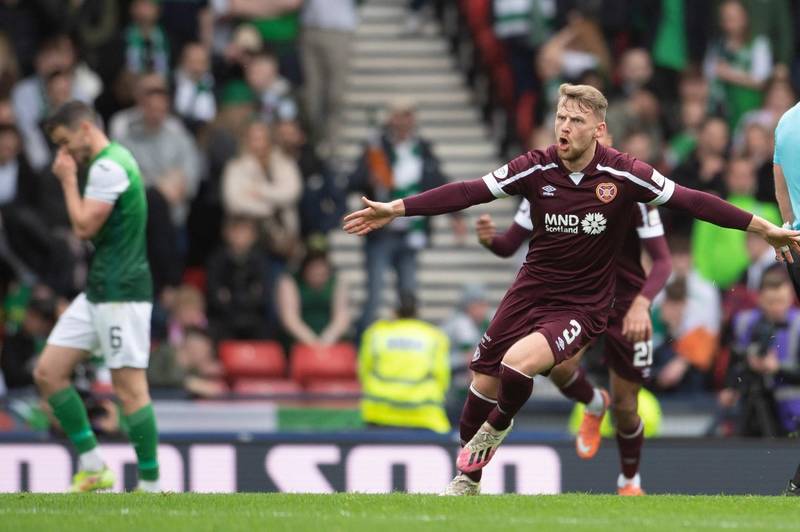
{"x":233,"y":108}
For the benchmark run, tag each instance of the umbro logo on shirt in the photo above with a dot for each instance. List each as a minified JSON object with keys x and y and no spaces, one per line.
{"x":549,"y":190}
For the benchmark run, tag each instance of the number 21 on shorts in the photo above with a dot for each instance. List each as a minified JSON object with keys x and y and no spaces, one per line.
{"x":643,"y":354}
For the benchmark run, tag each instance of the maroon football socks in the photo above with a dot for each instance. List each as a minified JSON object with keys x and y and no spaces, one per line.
{"x":476,"y":410}
{"x":515,"y":390}
{"x":630,"y":450}
{"x":578,"y":388}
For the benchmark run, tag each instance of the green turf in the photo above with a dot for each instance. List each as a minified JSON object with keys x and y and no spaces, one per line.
{"x":384,"y":513}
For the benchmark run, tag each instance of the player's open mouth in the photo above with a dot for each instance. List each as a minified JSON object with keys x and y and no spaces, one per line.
{"x":563,"y":143}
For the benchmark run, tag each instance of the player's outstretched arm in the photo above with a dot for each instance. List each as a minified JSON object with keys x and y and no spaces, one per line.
{"x":448,"y":198}
{"x":504,"y":244}
{"x":717,"y":211}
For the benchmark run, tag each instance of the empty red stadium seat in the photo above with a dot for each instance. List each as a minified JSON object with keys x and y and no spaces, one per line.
{"x":351,"y":387}
{"x":336,"y":362}
{"x":261,"y":359}
{"x":7,"y":422}
{"x":248,"y":386}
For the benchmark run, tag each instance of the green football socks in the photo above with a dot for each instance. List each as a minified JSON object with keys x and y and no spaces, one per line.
{"x":143,"y":434}
{"x":70,"y":412}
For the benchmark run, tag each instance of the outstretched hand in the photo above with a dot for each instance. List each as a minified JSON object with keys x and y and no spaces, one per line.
{"x":375,"y":215}
{"x":784,"y":241}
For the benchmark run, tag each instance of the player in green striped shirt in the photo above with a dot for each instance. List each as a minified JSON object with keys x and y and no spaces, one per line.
{"x":112,"y":316}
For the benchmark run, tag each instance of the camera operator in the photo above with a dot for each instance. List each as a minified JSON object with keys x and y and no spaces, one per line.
{"x":765,"y":373}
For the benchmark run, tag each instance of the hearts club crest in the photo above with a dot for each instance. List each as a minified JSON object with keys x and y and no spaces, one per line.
{"x":606,"y":192}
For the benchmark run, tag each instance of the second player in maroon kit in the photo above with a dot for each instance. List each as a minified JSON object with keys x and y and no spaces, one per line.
{"x":581,"y":195}
{"x":632,"y":282}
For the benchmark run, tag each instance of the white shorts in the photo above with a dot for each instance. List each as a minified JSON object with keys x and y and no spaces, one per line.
{"x":118,"y":332}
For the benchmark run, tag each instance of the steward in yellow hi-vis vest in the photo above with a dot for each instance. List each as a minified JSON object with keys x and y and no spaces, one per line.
{"x":404,"y":369}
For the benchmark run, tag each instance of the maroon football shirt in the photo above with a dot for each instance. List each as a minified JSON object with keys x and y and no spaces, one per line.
{"x":645,"y":224}
{"x":580,"y":220}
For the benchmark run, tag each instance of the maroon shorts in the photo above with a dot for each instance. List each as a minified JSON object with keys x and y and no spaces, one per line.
{"x":631,"y":361}
{"x":566,"y":328}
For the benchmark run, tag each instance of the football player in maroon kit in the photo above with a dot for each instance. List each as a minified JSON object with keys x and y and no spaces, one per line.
{"x":582,"y":195}
{"x":628,"y":343}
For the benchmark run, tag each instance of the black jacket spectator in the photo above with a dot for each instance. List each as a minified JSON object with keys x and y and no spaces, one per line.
{"x":241,"y":285}
{"x":237,"y":296}
{"x":162,"y":241}
{"x":322,"y":204}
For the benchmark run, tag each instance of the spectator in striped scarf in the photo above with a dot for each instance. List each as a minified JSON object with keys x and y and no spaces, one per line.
{"x":146,"y":45}
{"x":194,"y":87}
{"x":395,"y":163}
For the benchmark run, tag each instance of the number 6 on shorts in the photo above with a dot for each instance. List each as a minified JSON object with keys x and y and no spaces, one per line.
{"x":115,"y":337}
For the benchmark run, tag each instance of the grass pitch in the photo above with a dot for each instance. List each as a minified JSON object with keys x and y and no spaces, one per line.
{"x":385,"y":513}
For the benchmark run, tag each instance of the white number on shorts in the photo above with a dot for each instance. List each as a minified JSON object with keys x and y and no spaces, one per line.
{"x":643,"y":354}
{"x":571,"y":334}
{"x":115,"y":336}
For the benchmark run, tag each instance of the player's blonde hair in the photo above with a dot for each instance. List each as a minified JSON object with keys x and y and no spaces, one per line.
{"x":587,"y":97}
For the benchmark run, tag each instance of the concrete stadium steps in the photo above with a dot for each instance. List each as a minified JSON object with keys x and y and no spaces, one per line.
{"x":435,"y":116}
{"x":432,"y":278}
{"x":468,"y":260}
{"x":450,"y":134}
{"x":385,"y":64}
{"x":438,"y":81}
{"x":441,"y":99}
{"x":462,"y":151}
{"x":398,"y":47}
{"x":371,"y":64}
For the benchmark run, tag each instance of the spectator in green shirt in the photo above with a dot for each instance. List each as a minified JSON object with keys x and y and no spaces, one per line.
{"x":720,"y":255}
{"x":280,"y":33}
{"x":313,"y":304}
{"x":773,"y":20}
{"x":738,"y":64}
